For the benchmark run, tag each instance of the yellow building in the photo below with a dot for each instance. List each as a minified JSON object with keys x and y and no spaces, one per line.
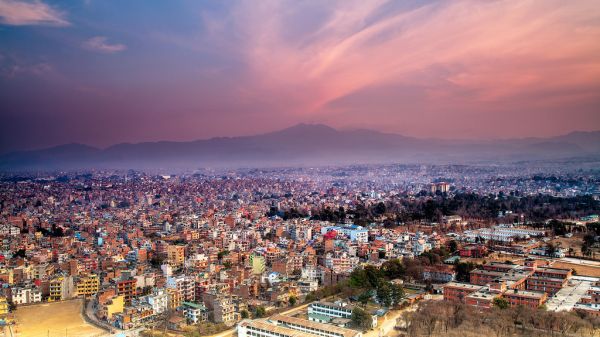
{"x":88,"y":285}
{"x":7,"y":276}
{"x":3,"y":307}
{"x":56,"y":289}
{"x":116,"y":306}
{"x":174,"y":298}
{"x":176,"y":255}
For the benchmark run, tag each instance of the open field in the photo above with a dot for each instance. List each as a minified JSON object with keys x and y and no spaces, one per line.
{"x":494,"y":257}
{"x":57,"y":319}
{"x":581,"y":269}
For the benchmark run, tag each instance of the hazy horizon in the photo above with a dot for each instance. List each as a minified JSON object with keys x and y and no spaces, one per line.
{"x":102,"y":147}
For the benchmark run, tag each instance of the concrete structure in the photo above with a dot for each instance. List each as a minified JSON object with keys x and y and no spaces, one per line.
{"x":194,"y":312}
{"x":26,"y":295}
{"x":310,"y":327}
{"x":88,"y":285}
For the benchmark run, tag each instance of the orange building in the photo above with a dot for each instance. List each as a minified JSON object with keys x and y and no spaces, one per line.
{"x":457,"y":292}
{"x":127,"y":288}
{"x":531,"y":299}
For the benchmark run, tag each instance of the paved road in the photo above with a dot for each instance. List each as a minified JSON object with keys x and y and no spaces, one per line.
{"x":90,"y":317}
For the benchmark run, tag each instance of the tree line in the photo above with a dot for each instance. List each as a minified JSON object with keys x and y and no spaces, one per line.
{"x":441,"y":318}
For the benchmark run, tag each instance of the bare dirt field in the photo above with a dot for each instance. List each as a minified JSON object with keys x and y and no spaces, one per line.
{"x":494,"y":257}
{"x":581,"y":269}
{"x":57,"y":319}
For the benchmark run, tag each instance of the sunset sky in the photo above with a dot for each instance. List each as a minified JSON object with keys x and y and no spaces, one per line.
{"x":102,"y":72}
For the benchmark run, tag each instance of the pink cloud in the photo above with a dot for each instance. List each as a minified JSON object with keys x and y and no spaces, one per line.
{"x":101,"y":44}
{"x":22,"y":13}
{"x":496,"y":50}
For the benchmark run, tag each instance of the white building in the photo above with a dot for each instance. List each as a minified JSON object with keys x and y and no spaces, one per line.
{"x":286,"y":326}
{"x":194,"y":312}
{"x":26,"y":295}
{"x":185,"y":286}
{"x":308,"y":285}
{"x":158,"y":300}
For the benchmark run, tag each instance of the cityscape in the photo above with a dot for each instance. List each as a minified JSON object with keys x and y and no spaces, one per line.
{"x":299,"y":168}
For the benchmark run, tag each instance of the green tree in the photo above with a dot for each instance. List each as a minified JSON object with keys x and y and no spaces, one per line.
{"x":500,"y":302}
{"x":310,"y":297}
{"x":384,"y":294}
{"x":358,"y":278}
{"x":393,"y":269}
{"x":397,"y":293}
{"x":221,"y":254}
{"x":244,"y":314}
{"x":463,"y":270}
{"x":361,"y":318}
{"x":293,"y":300}
{"x":259,"y":312}
{"x":453,"y":246}
{"x":364,"y":297}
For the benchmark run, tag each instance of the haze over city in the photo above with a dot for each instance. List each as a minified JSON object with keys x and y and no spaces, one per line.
{"x":106,"y":72}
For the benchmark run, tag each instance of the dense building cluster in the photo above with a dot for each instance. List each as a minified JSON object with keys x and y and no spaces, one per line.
{"x":216,"y":246}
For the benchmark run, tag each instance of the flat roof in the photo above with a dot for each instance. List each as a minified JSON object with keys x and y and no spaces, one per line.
{"x":544,"y":278}
{"x":321,"y":317}
{"x":524,"y":293}
{"x":276,"y":328}
{"x":566,"y":298}
{"x":334,"y":305}
{"x":194,"y":305}
{"x":553,"y":270}
{"x":488,"y":272}
{"x":483,"y":294}
{"x":463,"y":285}
{"x":314,"y":325}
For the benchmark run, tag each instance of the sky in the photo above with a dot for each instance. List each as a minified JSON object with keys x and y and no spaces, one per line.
{"x":102,"y":72}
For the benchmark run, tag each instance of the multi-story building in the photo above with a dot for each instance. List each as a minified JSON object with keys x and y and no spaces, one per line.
{"x":176,"y":255}
{"x":310,"y":327}
{"x":194,"y":312}
{"x":544,"y":284}
{"x":457,"y":291}
{"x":185,"y":285}
{"x":127,"y":288}
{"x":317,"y":310}
{"x":531,"y":299}
{"x":330,"y":309}
{"x":88,"y":285}
{"x":306,"y":285}
{"x":343,"y":263}
{"x":439,"y":274}
{"x":158,"y":301}
{"x":60,"y":288}
{"x":222,"y":308}
{"x":3,"y":307}
{"x":26,"y":295}
{"x":174,"y":298}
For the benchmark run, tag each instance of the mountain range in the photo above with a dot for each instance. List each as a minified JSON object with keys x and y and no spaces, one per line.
{"x":303,"y":144}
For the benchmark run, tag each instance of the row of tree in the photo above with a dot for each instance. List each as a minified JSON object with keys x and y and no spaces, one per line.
{"x":441,"y":318}
{"x":536,"y":208}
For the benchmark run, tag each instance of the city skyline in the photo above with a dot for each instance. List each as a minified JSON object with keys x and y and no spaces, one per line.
{"x":103,"y":73}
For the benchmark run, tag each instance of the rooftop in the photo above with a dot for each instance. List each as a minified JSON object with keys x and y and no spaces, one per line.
{"x":313,"y":325}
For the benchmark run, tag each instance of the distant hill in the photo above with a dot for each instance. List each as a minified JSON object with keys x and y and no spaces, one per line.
{"x":303,"y":144}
